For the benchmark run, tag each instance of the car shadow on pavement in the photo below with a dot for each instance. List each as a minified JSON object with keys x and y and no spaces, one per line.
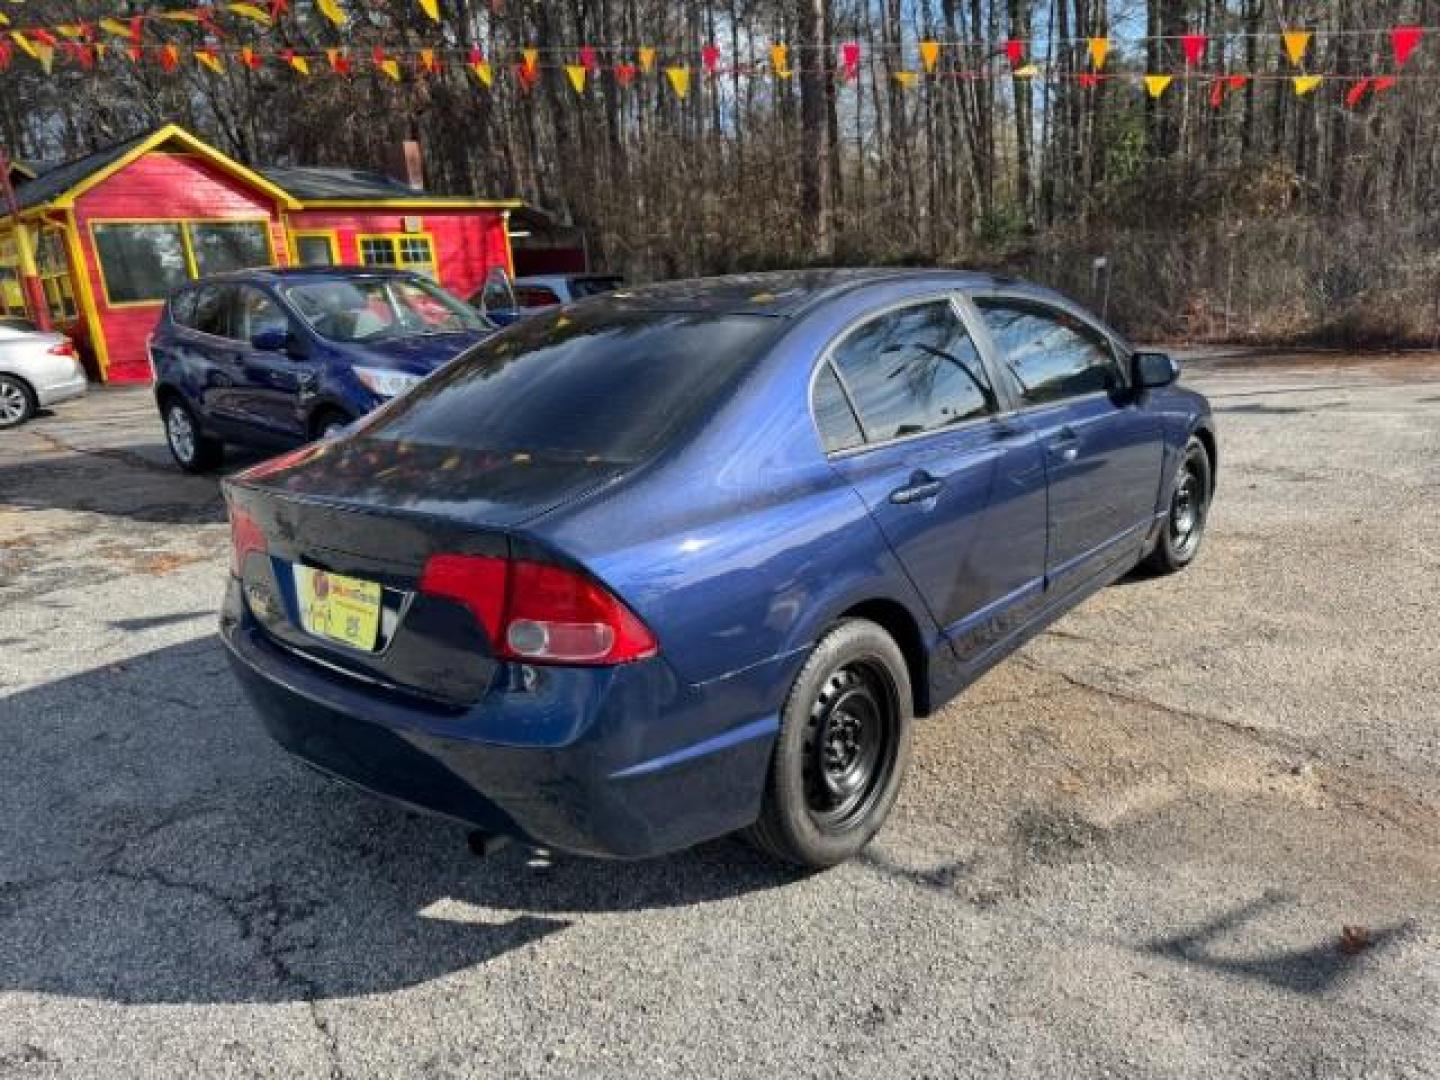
{"x":155,"y":847}
{"x":138,"y":483}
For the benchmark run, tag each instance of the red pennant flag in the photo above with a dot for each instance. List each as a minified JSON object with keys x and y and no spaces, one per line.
{"x":250,"y":58}
{"x":278,"y":8}
{"x":587,"y":58}
{"x":476,"y":56}
{"x":1357,"y":92}
{"x":625,"y":73}
{"x":1383,"y":83}
{"x":339,"y":61}
{"x":377,"y":56}
{"x":850,"y":60}
{"x":1217,"y":93}
{"x":710,"y":59}
{"x":526,"y":74}
{"x":1403,"y":40}
{"x":169,"y":58}
{"x":45,"y":38}
{"x":1089,"y":80}
{"x":1015,"y":50}
{"x":1194,"y":46}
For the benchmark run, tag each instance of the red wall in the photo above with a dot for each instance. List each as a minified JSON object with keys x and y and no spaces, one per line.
{"x":467,"y":242}
{"x":160,"y":186}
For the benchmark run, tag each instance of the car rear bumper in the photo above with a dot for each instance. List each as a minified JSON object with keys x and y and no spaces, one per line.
{"x":55,"y":392}
{"x":622,"y":762}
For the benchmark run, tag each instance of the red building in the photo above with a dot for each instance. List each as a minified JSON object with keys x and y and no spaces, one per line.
{"x":113,"y":233}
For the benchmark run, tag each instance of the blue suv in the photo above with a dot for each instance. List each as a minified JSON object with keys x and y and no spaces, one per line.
{"x":275,"y":358}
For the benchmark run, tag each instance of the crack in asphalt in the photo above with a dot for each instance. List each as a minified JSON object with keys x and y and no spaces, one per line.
{"x":112,"y":453}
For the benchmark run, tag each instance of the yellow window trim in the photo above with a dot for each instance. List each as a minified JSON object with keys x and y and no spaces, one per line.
{"x":331,"y":235}
{"x":393,"y":239}
{"x":192,"y":270}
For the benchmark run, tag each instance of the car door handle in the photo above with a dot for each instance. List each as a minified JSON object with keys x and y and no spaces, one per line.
{"x":921,"y":486}
{"x":1066,"y":444}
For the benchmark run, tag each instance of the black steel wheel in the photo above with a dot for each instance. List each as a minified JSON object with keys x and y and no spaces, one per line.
{"x":843,"y":746}
{"x":1189,"y":510}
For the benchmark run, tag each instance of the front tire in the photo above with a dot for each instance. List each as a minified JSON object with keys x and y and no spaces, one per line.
{"x":17,"y":402}
{"x":843,"y":747}
{"x":193,"y":451}
{"x":1184,"y":527}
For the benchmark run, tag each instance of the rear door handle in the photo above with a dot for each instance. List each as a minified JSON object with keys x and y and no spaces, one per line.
{"x":1066,"y":444}
{"x":921,"y":486}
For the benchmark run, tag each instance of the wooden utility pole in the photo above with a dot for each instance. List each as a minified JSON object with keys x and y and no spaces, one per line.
{"x":30,"y":285}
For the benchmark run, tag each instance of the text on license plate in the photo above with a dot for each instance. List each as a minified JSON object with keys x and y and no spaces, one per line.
{"x":337,"y":607}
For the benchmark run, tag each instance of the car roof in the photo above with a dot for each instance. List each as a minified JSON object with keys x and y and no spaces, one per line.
{"x":786,"y":293}
{"x":277,"y":274}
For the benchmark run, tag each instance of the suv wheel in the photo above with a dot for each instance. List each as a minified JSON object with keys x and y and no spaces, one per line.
{"x":193,"y":451}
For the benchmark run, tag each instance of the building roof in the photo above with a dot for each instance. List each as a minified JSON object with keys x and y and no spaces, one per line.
{"x":292,"y":185}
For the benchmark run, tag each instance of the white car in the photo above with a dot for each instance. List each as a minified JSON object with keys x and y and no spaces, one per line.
{"x":37,"y":370}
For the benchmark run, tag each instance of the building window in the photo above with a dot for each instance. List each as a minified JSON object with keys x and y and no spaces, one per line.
{"x":54,"y":269}
{"x":141,"y":263}
{"x":315,"y":249}
{"x":229,"y":245}
{"x":407,"y":252}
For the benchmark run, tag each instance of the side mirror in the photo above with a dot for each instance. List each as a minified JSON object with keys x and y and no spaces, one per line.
{"x":271,"y":339}
{"x":497,"y":280}
{"x":1152,"y":370}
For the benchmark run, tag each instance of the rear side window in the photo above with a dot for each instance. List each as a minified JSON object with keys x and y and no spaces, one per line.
{"x":914,"y":370}
{"x":535,"y":296}
{"x":1051,"y":354}
{"x":839,"y":430}
{"x":212,"y":311}
{"x":182,"y":307}
{"x":606,"y":384}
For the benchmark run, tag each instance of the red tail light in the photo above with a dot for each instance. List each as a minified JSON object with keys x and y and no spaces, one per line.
{"x":62,"y":348}
{"x":540,"y":613}
{"x":245,"y":537}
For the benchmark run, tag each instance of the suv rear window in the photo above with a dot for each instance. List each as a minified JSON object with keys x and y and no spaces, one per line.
{"x":607,"y":384}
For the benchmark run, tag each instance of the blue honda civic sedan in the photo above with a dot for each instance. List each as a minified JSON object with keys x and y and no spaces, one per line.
{"x":691,"y":559}
{"x":277,"y":357}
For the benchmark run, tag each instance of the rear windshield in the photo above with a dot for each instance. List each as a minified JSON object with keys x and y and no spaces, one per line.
{"x":602,"y":384}
{"x":593,"y":286}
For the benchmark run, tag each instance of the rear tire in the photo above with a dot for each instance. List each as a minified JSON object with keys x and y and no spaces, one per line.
{"x":843,"y":747}
{"x":17,"y":402}
{"x":1184,"y":528}
{"x":193,"y":451}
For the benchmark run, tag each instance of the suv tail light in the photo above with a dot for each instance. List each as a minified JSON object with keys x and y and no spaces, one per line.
{"x":245,"y":537}
{"x":540,"y":613}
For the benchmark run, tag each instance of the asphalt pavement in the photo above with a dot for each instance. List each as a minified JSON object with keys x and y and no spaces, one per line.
{"x":1191,"y":831}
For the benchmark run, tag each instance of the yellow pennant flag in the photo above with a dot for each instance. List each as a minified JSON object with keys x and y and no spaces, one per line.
{"x":181,"y":16}
{"x":929,"y":55}
{"x":71,"y":32}
{"x":780,"y":60}
{"x":679,"y":79}
{"x":431,"y":8}
{"x":300,"y":64}
{"x":1156,"y":85}
{"x":1099,"y":48}
{"x":332,"y":11}
{"x":210,"y":59}
{"x":251,"y":12}
{"x":1029,"y":71}
{"x":390,"y":68}
{"x":531,"y":58}
{"x":906,"y":79}
{"x":4,"y":19}
{"x":576,"y":72}
{"x":647,"y":58}
{"x":483,"y":72}
{"x":1304,"y":84}
{"x":45,"y":55}
{"x":1297,"y":44}
{"x":116,"y":27}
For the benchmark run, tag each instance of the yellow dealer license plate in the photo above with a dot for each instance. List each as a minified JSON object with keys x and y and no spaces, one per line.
{"x":340,"y":608}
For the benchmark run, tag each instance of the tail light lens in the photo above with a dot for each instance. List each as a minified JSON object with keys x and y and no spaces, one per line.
{"x":540,"y":613}
{"x":62,"y":348}
{"x":245,"y":537}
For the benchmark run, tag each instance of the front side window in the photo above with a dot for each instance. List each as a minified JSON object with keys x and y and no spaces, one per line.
{"x":1052,"y":354}
{"x":141,"y":262}
{"x":229,"y":245}
{"x":375,"y":308}
{"x":914,"y":370}
{"x":255,"y":313}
